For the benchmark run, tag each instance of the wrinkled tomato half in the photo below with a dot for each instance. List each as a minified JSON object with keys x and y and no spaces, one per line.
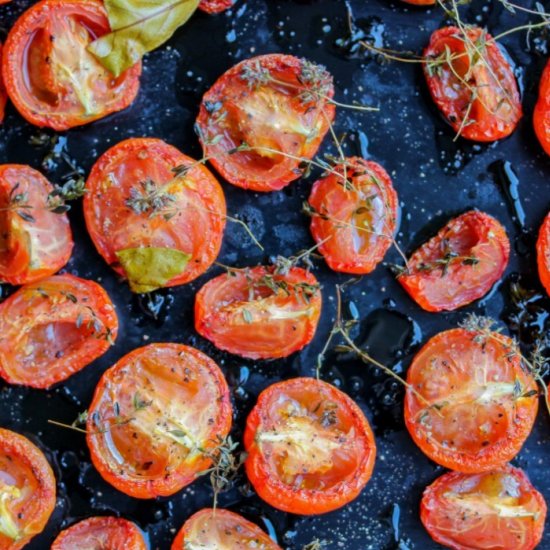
{"x":259,"y":313}
{"x":541,"y":114}
{"x":3,"y":95}
{"x":543,"y":253}
{"x":459,"y":265}
{"x":101,"y":532}
{"x":153,"y":226}
{"x":499,"y":509}
{"x":48,"y":72}
{"x":470,"y":405}
{"x":472,"y":83}
{"x":263,"y":118}
{"x":27,"y":490}
{"x":215,"y":6}
{"x":220,"y":529}
{"x":53,"y":328}
{"x":310,"y":448}
{"x":155,"y":416}
{"x":354,"y":214}
{"x":35,"y":241}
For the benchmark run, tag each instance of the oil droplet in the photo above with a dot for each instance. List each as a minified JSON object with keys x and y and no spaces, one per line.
{"x":508,"y":181}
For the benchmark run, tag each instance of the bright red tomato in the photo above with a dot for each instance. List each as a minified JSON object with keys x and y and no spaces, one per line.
{"x":471,"y":404}
{"x":215,"y":6}
{"x":459,"y":265}
{"x":276,"y":106}
{"x":499,"y":509}
{"x":543,"y":253}
{"x":310,"y":448}
{"x":541,"y":114}
{"x":48,"y":72}
{"x":3,"y":95}
{"x":257,"y":313}
{"x":354,"y":214}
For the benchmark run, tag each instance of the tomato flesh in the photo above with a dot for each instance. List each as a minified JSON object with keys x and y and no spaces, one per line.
{"x":543,"y":253}
{"x":215,"y":6}
{"x":541,"y":114}
{"x":3,"y":95}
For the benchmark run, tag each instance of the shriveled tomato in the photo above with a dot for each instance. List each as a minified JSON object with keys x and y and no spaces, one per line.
{"x":155,"y":417}
{"x":101,"y":532}
{"x":543,"y":253}
{"x":459,"y":265}
{"x":259,"y":313}
{"x":541,"y":114}
{"x":310,"y":448}
{"x":153,"y":224}
{"x":48,"y":72}
{"x":53,"y":328}
{"x":27,"y":490}
{"x":215,"y":6}
{"x":220,"y":529}
{"x":354,"y":213}
{"x":472,"y":83}
{"x":3,"y":96}
{"x":499,"y":509}
{"x":470,"y":404}
{"x":35,"y":241}
{"x":263,"y":117}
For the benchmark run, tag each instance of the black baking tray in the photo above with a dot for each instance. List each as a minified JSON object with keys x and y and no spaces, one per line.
{"x":435,"y":178}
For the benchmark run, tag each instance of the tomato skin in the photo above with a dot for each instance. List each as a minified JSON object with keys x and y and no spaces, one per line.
{"x":466,"y":529}
{"x":341,"y":481}
{"x":269,"y":327}
{"x":543,"y":253}
{"x":3,"y":95}
{"x":209,"y":526}
{"x":240,"y":112}
{"x":472,"y":235}
{"x":486,"y":424}
{"x":330,"y":198}
{"x":57,"y":104}
{"x":215,"y":6}
{"x":25,"y":465}
{"x":541,"y":114}
{"x":484,"y":125}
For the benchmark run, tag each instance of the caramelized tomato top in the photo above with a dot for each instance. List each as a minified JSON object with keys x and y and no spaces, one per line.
{"x":543,"y":253}
{"x":541,"y":114}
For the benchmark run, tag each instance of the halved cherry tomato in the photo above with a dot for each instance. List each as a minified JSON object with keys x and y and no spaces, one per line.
{"x":472,"y":83}
{"x":499,"y":509}
{"x":215,"y":6}
{"x":276,"y":109}
{"x":310,"y":448}
{"x":218,"y":529}
{"x":27,"y":490}
{"x":470,"y":405}
{"x":543,"y":253}
{"x":151,"y":225}
{"x":354,"y":213}
{"x":259,"y":313}
{"x":541,"y":114}
{"x":101,"y":532}
{"x":48,"y":72}
{"x":35,"y":242}
{"x":155,"y":416}
{"x":53,"y":328}
{"x":459,"y":265}
{"x":3,"y":95}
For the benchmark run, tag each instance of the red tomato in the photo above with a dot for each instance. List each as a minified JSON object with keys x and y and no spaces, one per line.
{"x":27,"y":490}
{"x":356,"y":220}
{"x":493,"y":510}
{"x":310,"y":448}
{"x":210,"y":528}
{"x":4,"y":1}
{"x":215,"y":6}
{"x":3,"y":96}
{"x":135,"y":201}
{"x":101,"y":532}
{"x":53,"y":328}
{"x":541,"y":114}
{"x":472,"y":83}
{"x":471,"y":405}
{"x":277,"y":105}
{"x":49,"y":74}
{"x":257,"y":313}
{"x":543,"y":253}
{"x":459,"y":265}
{"x":154,"y":416}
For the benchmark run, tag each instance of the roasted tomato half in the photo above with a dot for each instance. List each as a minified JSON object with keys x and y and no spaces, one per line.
{"x":215,"y":6}
{"x":154,"y":214}
{"x":101,"y":532}
{"x":459,"y":265}
{"x":27,"y":490}
{"x":35,"y":237}
{"x":53,"y":328}
{"x":259,"y":313}
{"x":543,"y":253}
{"x":472,"y":83}
{"x":155,"y":417}
{"x":353,"y":215}
{"x":541,"y":114}
{"x":310,"y":448}
{"x":3,"y":95}
{"x":263,"y":118}
{"x":48,"y":72}
{"x":470,"y":405}
{"x":210,"y":528}
{"x":499,"y":509}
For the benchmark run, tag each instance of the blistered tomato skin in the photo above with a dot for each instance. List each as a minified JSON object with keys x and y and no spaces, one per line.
{"x":50,"y":76}
{"x":543,"y":253}
{"x":215,"y":6}
{"x":541,"y":114}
